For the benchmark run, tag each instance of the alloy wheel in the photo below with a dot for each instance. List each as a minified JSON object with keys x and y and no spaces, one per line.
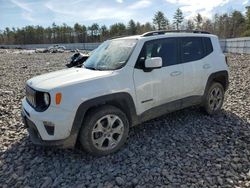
{"x":215,"y":98}
{"x":107,"y":132}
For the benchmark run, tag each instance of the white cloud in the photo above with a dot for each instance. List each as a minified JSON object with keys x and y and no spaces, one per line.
{"x":245,"y":2}
{"x":27,"y":10}
{"x":140,"y":4}
{"x":119,"y":1}
{"x":192,"y":7}
{"x":28,"y":16}
{"x":22,"y":5}
{"x":88,"y":11}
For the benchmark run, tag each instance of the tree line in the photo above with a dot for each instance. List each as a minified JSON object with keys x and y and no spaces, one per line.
{"x":228,"y":25}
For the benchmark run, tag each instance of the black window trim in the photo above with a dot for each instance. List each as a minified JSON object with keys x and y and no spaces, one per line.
{"x":179,"y":54}
{"x":137,"y":66}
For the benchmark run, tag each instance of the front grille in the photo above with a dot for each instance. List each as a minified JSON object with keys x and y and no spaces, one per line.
{"x":31,"y":96}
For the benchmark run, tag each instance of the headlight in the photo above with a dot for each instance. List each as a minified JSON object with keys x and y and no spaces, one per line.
{"x":46,"y":99}
{"x":39,"y":100}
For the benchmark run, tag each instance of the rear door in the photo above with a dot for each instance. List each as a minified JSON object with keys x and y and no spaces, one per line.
{"x":192,"y":55}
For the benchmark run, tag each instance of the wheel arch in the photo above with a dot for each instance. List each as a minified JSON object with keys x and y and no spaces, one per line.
{"x":123,"y":101}
{"x":221,"y":77}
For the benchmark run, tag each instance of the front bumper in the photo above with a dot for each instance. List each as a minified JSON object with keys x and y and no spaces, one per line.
{"x":61,"y":137}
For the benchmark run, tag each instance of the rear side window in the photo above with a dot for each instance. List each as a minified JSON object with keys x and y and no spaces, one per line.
{"x":167,"y":49}
{"x":208,"y":45}
{"x":192,"y":49}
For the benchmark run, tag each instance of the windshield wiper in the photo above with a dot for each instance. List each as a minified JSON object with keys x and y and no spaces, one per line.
{"x":91,"y":68}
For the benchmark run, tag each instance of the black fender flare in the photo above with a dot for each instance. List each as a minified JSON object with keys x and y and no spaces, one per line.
{"x":221,"y":77}
{"x":122,"y":100}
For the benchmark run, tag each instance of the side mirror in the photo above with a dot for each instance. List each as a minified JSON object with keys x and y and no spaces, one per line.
{"x":153,"y":63}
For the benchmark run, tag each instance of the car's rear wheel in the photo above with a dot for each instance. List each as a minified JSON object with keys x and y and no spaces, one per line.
{"x":214,"y":98}
{"x":104,"y":131}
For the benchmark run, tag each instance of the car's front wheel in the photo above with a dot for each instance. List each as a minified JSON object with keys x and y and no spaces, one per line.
{"x":104,"y":131}
{"x":214,"y":98}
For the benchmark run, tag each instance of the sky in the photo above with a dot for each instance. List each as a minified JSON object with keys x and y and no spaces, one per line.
{"x":20,"y":13}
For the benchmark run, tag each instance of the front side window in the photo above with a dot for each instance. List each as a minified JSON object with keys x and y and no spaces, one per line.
{"x":111,"y":55}
{"x":191,"y":48}
{"x":164,"y":48}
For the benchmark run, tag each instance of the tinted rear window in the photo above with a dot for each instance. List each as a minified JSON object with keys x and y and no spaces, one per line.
{"x":192,"y":49}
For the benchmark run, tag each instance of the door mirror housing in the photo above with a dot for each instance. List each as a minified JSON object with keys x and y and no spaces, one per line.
{"x":153,"y":63}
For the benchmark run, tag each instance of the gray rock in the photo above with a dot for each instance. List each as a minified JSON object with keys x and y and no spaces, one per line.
{"x":229,"y":180}
{"x":210,"y":180}
{"x":135,"y":181}
{"x":218,"y":166}
{"x":220,"y":180}
{"x":47,"y":182}
{"x":119,"y":181}
{"x":100,"y":185}
{"x":234,"y":166}
{"x":165,"y":173}
{"x":180,"y":149}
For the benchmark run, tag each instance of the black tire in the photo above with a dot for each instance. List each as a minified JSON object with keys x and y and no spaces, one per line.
{"x":98,"y":119}
{"x":211,"y":107}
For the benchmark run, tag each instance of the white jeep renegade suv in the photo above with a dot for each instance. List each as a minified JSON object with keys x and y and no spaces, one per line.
{"x":125,"y":82}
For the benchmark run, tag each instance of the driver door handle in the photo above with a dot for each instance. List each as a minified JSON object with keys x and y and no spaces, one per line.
{"x":175,"y":73}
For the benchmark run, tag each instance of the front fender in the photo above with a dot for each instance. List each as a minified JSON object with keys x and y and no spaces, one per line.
{"x":122,"y":100}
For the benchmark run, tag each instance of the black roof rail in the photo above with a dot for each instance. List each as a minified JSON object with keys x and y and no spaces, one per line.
{"x":162,"y":32}
{"x":119,"y":36}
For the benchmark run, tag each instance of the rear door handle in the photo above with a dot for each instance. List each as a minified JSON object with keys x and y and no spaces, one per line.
{"x":206,"y":66}
{"x":175,"y":73}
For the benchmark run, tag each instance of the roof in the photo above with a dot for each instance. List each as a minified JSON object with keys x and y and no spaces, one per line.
{"x":164,"y":34}
{"x":161,"y":32}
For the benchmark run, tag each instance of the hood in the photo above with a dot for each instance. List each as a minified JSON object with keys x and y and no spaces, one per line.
{"x":65,"y":77}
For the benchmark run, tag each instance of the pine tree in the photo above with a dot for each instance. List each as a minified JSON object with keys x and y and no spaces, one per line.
{"x":198,"y":19}
{"x":190,"y":25}
{"x":131,"y":27}
{"x":178,"y":18}
{"x":237,"y":24}
{"x":160,"y":21}
{"x":247,"y":29}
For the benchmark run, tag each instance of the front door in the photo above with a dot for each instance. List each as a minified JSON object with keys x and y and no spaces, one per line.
{"x":163,"y":85}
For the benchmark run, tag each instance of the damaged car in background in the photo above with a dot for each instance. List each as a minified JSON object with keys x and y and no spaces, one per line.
{"x":77,"y":59}
{"x":56,"y":48}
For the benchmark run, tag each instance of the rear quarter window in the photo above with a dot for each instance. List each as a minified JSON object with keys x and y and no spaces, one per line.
{"x":208,"y":45}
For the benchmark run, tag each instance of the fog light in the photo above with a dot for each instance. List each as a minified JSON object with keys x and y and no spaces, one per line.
{"x":50,"y":127}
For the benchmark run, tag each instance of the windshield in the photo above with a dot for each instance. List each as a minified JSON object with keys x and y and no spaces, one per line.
{"x":111,"y":55}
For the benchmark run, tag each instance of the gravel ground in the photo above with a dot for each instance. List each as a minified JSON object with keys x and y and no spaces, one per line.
{"x":181,"y":149}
